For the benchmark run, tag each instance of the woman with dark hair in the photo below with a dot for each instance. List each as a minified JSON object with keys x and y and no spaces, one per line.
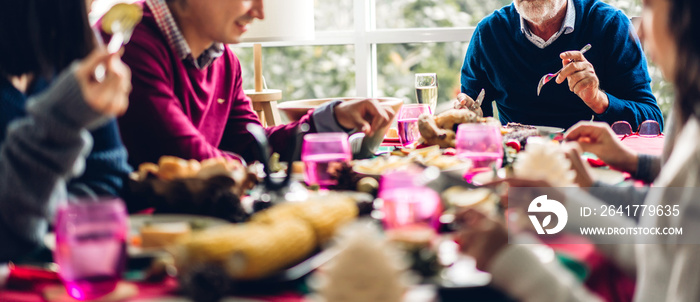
{"x":49,"y":99}
{"x":664,"y":272}
{"x":38,"y":39}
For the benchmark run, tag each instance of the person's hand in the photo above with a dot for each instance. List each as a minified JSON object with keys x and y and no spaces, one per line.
{"x":599,"y":139}
{"x":480,"y":236}
{"x":582,"y":80}
{"x":583,"y":174}
{"x":364,"y":115}
{"x":465,"y":102}
{"x":111,"y":96}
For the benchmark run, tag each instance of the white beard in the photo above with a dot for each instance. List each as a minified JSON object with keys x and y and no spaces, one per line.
{"x":538,"y":11}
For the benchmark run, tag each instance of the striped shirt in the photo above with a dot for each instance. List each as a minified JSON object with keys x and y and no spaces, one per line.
{"x":166,"y":24}
{"x":566,"y":28}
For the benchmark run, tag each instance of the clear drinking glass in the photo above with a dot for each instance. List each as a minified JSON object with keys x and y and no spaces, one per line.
{"x":321,"y":154}
{"x":481,"y":143}
{"x":427,"y":89}
{"x":91,"y":246}
{"x":408,"y":122}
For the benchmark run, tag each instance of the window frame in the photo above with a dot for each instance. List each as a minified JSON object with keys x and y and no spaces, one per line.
{"x":365,"y":37}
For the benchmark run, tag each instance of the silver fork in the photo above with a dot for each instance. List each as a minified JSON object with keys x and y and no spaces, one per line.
{"x":547,"y":77}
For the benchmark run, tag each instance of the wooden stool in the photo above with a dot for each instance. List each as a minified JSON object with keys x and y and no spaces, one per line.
{"x":265,"y":105}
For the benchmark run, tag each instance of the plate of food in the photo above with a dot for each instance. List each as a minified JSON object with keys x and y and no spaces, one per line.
{"x":154,"y":233}
{"x":430,"y":156}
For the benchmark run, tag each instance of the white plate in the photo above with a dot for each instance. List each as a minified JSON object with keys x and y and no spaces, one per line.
{"x":546,"y":130}
{"x":607,"y":176}
{"x":487,"y":177}
{"x":459,"y":169}
{"x":139,"y":220}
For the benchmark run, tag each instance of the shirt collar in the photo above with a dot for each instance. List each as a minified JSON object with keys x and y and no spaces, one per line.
{"x":567,"y":26}
{"x":166,"y":24}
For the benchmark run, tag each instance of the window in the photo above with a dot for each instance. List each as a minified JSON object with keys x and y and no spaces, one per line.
{"x":376,"y":49}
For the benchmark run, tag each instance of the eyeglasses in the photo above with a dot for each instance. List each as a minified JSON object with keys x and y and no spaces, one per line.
{"x":646,"y":128}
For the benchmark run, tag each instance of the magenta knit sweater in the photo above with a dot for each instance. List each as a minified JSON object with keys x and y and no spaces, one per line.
{"x":177,"y":109}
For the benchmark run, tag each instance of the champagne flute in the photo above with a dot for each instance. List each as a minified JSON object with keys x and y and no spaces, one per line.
{"x":427,"y":89}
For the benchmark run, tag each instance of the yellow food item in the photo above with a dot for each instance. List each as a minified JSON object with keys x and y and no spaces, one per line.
{"x":325,"y":213}
{"x":170,"y":167}
{"x":273,"y":239}
{"x":128,"y":15}
{"x":250,"y":250}
{"x":163,"y":234}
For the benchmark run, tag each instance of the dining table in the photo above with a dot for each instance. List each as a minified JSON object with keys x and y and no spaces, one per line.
{"x":600,"y":275}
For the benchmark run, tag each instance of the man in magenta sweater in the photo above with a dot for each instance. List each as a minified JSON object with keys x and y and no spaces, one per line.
{"x":187,"y":97}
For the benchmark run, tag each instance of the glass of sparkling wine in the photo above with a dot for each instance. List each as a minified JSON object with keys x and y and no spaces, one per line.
{"x":91,"y":246}
{"x":322,"y":153}
{"x":482,"y":144}
{"x":408,"y":122}
{"x":427,"y":89}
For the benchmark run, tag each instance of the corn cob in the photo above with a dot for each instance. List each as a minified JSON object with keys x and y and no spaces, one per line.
{"x":274,"y":239}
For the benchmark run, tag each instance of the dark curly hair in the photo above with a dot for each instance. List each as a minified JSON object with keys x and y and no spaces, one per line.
{"x":42,"y":37}
{"x":684,"y":26}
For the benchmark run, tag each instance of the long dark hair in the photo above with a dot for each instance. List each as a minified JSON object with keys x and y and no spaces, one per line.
{"x":684,"y":25}
{"x":42,"y":37}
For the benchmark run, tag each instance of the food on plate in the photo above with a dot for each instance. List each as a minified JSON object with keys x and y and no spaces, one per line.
{"x":515,"y":144}
{"x":368,"y":185}
{"x":518,"y":132}
{"x":171,"y":167}
{"x":273,"y":239}
{"x":431,"y":134}
{"x":211,"y":187}
{"x":325,"y":213}
{"x":409,"y":237}
{"x":484,"y":200}
{"x":430,"y":156}
{"x":449,"y":119}
{"x":159,"y":235}
{"x":544,"y":160}
{"x":440,"y":130}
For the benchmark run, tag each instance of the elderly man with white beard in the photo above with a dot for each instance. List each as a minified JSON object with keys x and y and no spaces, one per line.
{"x":515,"y":46}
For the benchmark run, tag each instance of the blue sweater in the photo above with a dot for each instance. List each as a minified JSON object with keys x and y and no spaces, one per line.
{"x":508,"y":66}
{"x":105,"y":167}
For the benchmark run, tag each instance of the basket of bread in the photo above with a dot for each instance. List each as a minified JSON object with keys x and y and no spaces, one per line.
{"x":211,"y":187}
